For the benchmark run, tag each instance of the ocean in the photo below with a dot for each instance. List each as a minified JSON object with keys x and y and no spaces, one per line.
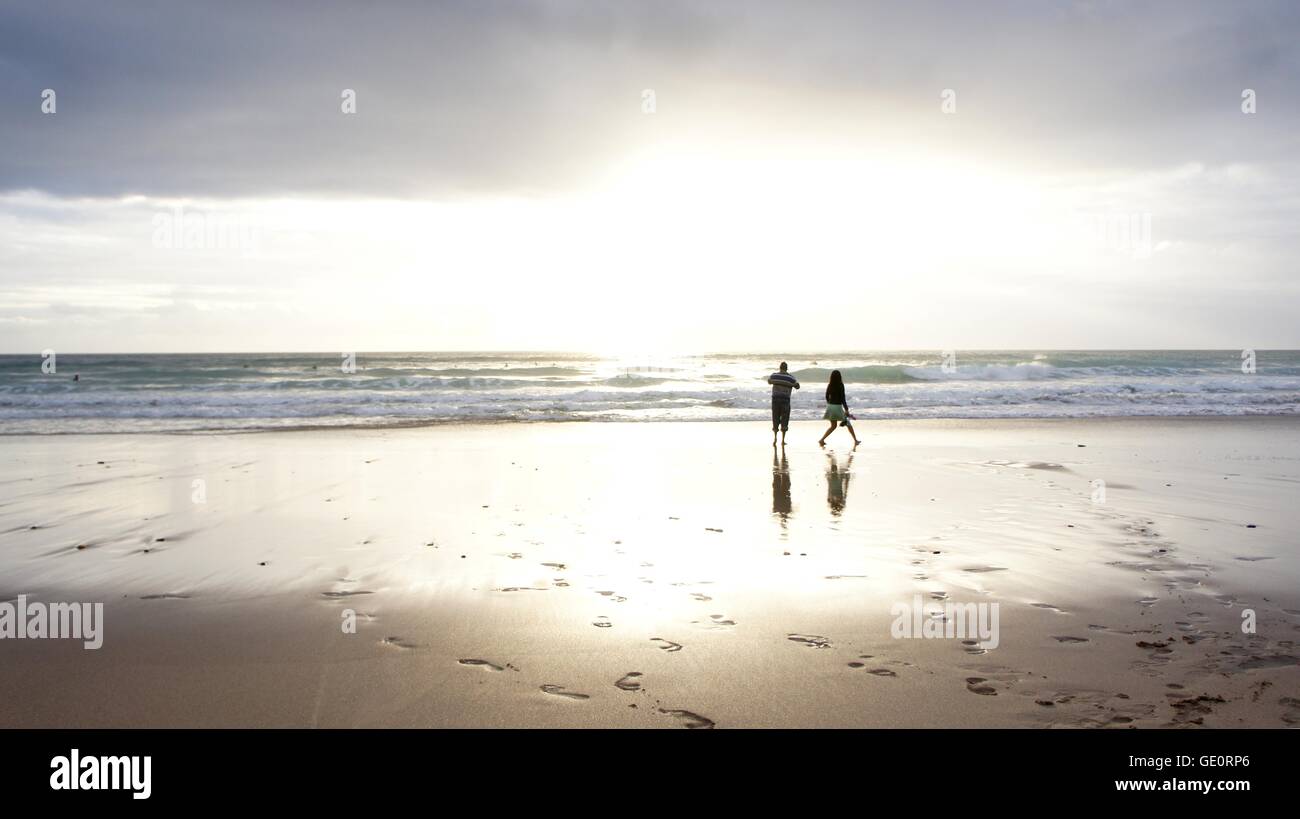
{"x":225,"y":392}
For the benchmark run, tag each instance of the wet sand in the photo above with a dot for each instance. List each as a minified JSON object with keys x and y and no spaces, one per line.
{"x":659,"y":575}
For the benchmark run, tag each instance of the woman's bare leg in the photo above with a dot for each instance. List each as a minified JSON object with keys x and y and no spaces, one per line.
{"x":822,"y":442}
{"x":849,"y":427}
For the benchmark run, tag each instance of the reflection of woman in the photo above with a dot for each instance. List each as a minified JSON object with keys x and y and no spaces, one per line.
{"x":837,"y":408}
{"x":837,"y":484}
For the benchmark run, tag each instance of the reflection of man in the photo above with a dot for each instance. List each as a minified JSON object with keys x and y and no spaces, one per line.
{"x":782,"y":382}
{"x":782,"y":506}
{"x":837,"y":483}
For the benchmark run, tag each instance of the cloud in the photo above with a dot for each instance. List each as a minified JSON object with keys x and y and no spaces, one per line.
{"x":500,"y":160}
{"x":463,"y":99}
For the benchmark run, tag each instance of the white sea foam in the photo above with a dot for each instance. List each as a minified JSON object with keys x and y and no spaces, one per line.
{"x":214,"y":392}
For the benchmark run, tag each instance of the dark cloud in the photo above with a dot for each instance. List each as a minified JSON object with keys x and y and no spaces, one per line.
{"x":242,"y":99}
{"x":233,"y":99}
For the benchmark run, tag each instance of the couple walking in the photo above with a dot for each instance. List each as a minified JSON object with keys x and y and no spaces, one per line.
{"x":837,"y":406}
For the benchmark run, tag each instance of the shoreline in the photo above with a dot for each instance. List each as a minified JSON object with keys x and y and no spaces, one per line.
{"x":496,"y":422}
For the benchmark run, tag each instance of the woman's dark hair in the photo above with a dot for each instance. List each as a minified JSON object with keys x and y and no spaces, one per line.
{"x":836,"y":378}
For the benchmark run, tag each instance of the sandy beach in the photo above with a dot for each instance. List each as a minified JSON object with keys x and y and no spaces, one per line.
{"x":659,"y":575}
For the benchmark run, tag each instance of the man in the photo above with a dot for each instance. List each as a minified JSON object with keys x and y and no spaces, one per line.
{"x":782,"y":382}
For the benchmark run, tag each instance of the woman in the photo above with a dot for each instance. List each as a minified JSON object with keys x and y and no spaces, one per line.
{"x":837,"y":408}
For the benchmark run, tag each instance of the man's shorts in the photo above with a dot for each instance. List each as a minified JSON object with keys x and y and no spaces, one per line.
{"x":780,"y":414}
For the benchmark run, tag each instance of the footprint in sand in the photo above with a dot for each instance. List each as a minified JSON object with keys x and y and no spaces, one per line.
{"x":973,"y":647}
{"x":166,"y":596}
{"x":689,"y":718}
{"x":396,"y":642}
{"x":481,"y":664}
{"x":810,"y":640}
{"x":602,"y":622}
{"x":559,"y":567}
{"x":1049,"y":607}
{"x":1193,"y":710}
{"x":1069,"y":639}
{"x":339,"y":594}
{"x":1156,"y":647}
{"x":975,"y":685}
{"x":703,"y":598}
{"x":629,"y":681}
{"x":1191,"y":631}
{"x":558,"y":691}
{"x":668,"y":645}
{"x":1091,"y":709}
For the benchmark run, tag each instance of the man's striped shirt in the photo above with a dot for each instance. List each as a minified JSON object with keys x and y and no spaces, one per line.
{"x":782,"y":383}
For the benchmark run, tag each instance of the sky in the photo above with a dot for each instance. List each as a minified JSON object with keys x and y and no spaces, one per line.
{"x":641,"y":178}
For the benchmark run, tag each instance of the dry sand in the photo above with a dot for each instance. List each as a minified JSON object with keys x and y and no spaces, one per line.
{"x":659,"y":575}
